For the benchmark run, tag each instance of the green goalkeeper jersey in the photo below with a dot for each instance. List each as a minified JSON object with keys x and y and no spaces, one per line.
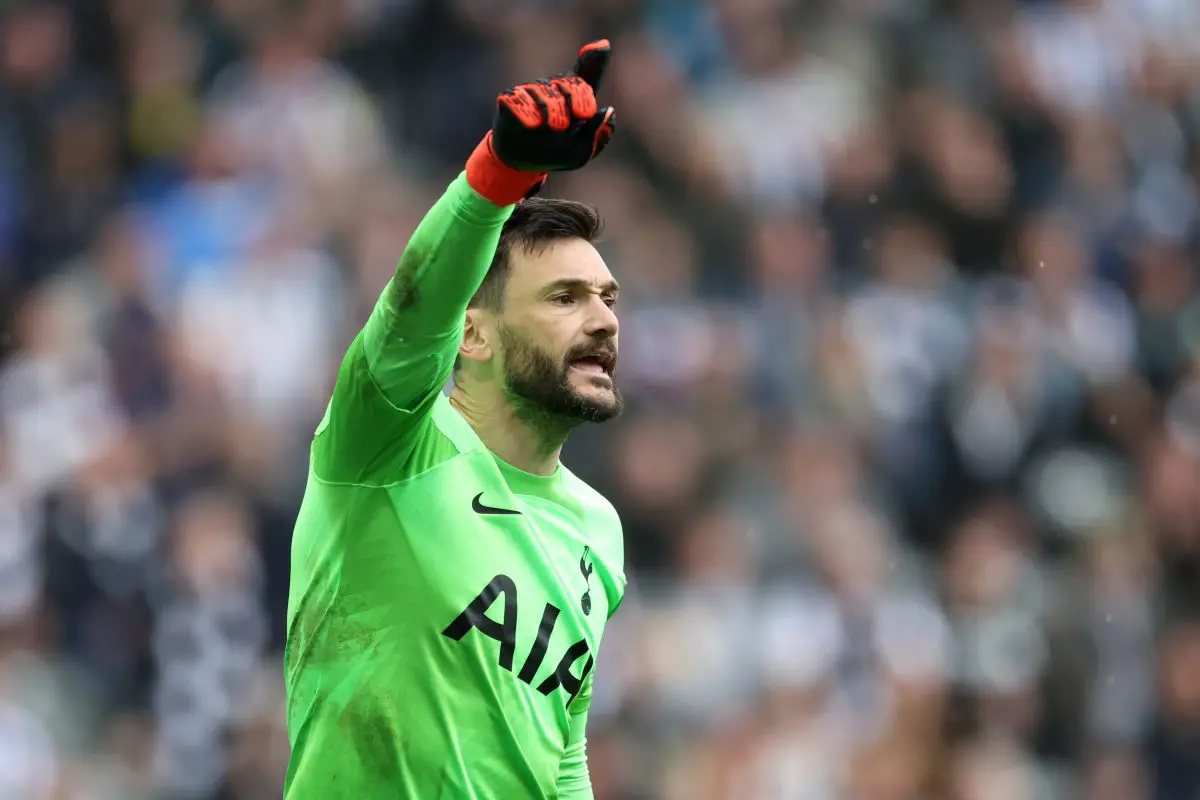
{"x":446,"y":608}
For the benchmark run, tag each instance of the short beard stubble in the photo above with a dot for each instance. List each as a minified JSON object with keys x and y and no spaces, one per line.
{"x":541,"y":386}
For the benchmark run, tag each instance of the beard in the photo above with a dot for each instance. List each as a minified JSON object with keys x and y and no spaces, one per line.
{"x":541,"y":383}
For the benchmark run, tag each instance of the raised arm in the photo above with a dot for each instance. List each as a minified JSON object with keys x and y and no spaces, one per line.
{"x":399,"y":362}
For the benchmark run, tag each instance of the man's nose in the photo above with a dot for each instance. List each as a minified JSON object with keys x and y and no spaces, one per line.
{"x":602,"y":320}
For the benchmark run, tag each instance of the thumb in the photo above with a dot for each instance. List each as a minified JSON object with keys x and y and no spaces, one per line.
{"x":592,"y":61}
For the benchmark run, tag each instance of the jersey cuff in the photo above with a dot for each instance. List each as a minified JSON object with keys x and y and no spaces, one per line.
{"x":473,"y":208}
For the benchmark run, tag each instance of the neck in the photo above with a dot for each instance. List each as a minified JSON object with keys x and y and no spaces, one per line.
{"x":526,"y":437}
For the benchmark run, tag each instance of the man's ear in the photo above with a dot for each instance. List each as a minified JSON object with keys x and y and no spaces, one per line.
{"x":476,"y":341}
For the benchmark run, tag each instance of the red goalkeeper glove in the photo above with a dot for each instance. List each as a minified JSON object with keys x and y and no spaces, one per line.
{"x":551,"y":125}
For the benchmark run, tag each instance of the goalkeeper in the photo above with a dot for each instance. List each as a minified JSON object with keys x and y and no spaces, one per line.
{"x":451,"y":579}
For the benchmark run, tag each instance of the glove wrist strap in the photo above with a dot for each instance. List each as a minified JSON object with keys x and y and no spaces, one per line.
{"x":495,"y":181}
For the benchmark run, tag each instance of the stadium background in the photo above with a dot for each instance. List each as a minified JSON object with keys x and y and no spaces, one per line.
{"x":911,"y":473}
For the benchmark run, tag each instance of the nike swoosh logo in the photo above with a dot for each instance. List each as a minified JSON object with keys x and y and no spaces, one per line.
{"x":480,"y":508}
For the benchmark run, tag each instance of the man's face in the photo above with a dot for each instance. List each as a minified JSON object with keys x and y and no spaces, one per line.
{"x":558,"y":332}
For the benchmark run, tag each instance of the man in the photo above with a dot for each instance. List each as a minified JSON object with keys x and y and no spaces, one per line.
{"x":450,"y":578}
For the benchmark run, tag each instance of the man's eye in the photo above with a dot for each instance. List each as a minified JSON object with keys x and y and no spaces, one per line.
{"x":562,"y":299}
{"x":610,"y":301}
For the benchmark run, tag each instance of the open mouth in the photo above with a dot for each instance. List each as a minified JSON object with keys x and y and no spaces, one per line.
{"x":595,"y":364}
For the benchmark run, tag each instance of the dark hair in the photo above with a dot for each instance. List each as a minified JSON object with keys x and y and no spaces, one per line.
{"x":535,"y":223}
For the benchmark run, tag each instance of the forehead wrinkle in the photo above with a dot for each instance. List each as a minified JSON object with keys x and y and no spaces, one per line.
{"x":601,"y":284}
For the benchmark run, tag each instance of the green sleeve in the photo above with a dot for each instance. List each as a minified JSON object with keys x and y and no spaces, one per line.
{"x":398,"y":363}
{"x":574,"y":780}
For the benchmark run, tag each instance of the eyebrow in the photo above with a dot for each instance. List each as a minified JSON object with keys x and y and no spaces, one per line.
{"x":609,"y":286}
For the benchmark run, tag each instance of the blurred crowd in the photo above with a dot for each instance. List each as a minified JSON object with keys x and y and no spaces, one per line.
{"x":910,"y":473}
